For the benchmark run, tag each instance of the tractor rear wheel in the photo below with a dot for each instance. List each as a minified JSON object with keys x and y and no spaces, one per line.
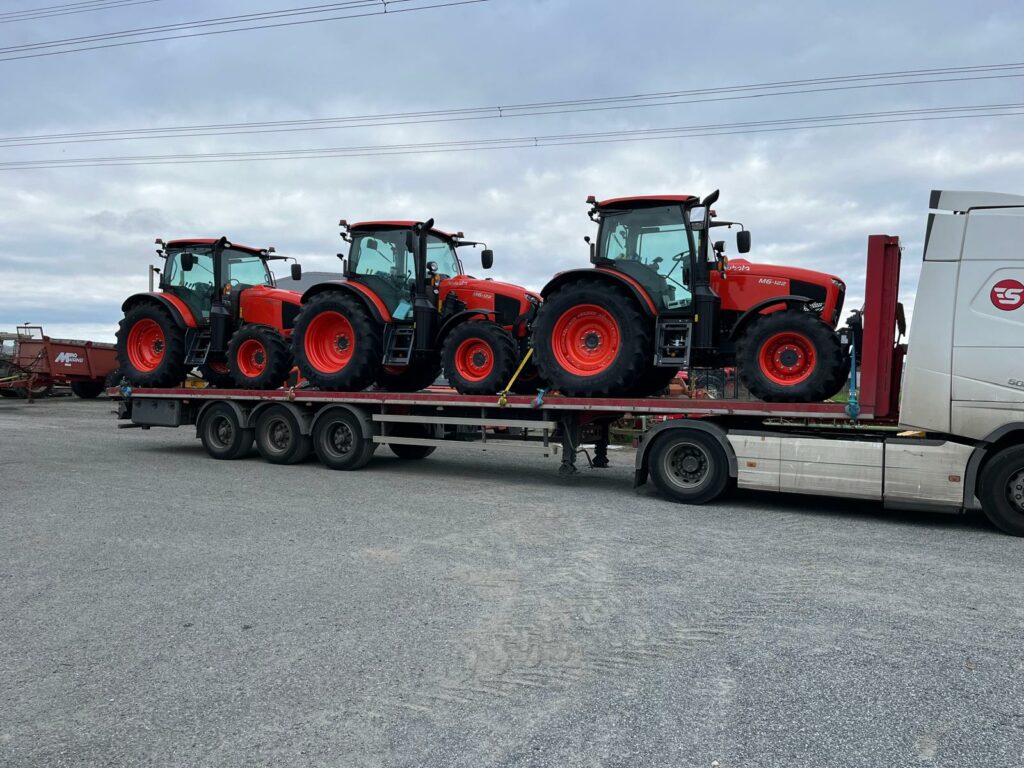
{"x":87,"y":390}
{"x":336,"y":343}
{"x":789,"y":357}
{"x":409,"y":378}
{"x":590,"y":338}
{"x":479,"y":357}
{"x":258,"y":357}
{"x":151,"y":347}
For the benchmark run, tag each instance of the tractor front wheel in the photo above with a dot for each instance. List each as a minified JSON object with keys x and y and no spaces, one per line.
{"x":409,"y":378}
{"x":789,"y":357}
{"x":151,"y":347}
{"x":479,"y":357}
{"x":590,"y":339}
{"x":258,"y":357}
{"x":336,"y":343}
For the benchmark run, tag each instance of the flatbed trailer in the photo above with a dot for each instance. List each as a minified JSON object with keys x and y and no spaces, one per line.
{"x":934,"y":451}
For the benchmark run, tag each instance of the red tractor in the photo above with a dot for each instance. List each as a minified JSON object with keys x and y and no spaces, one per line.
{"x":405,"y":310}
{"x":663,"y":297}
{"x":218,"y":310}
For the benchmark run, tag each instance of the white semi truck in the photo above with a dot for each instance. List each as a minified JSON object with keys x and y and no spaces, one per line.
{"x":934,"y":424}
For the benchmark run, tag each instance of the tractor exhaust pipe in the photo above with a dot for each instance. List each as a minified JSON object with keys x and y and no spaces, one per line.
{"x":424,"y":311}
{"x":706,"y":303}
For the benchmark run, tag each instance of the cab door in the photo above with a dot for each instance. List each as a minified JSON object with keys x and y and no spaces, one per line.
{"x":196,"y":286}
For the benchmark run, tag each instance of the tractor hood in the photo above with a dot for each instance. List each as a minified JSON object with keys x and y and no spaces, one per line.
{"x":777,"y":272}
{"x":468,"y":283}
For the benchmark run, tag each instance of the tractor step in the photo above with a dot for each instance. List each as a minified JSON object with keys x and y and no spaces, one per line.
{"x":672,"y":342}
{"x":198,"y":349}
{"x":398,"y":344}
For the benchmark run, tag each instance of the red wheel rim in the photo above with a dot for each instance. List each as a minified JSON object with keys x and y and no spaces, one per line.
{"x":218,"y":367}
{"x":586,"y":340}
{"x":474,"y":360}
{"x":788,"y":358}
{"x":329,"y":342}
{"x":251,"y":358}
{"x":146,"y":345}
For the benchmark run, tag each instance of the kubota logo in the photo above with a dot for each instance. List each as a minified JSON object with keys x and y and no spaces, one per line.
{"x":68,"y":358}
{"x":1008,"y":295}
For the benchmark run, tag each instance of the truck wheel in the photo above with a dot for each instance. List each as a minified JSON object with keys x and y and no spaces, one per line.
{"x":223,"y":437}
{"x":336,"y":344}
{"x":279,"y":437}
{"x":216,"y":374}
{"x":258,"y":358}
{"x":87,"y":390}
{"x":1002,"y":490}
{"x":689,"y":466}
{"x":151,"y":347}
{"x":479,"y":357}
{"x":789,"y":357}
{"x":339,"y":443}
{"x":409,"y":378}
{"x":591,"y":339}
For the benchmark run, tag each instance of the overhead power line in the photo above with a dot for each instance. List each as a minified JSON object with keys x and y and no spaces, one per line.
{"x":157,"y":34}
{"x":554,"y":140}
{"x":599,"y":104}
{"x":69,"y":9}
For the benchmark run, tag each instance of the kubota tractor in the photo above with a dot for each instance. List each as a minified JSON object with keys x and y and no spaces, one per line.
{"x":406,"y":310}
{"x":219,"y":310}
{"x":664,"y":297}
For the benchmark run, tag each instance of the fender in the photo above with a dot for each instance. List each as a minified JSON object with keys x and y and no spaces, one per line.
{"x":366,"y":424}
{"x":648,"y":439}
{"x":460,"y":317}
{"x":179,"y":309}
{"x":302,"y":415}
{"x":242,"y":414}
{"x":607,"y":276}
{"x":377,"y":309}
{"x":791,"y":302}
{"x":980,"y":455}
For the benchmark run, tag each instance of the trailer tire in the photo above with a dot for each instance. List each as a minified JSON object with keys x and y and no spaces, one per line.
{"x":789,"y":356}
{"x":279,"y":437}
{"x":258,"y":358}
{"x":689,"y":466}
{"x":590,"y":339}
{"x":87,"y":390}
{"x":339,"y":442}
{"x":151,"y":347}
{"x":222,"y":435}
{"x":1002,"y":490}
{"x":479,"y":358}
{"x":336,"y":343}
{"x":412,"y":452}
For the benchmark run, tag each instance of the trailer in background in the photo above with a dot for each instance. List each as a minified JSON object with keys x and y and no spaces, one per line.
{"x":33,"y":363}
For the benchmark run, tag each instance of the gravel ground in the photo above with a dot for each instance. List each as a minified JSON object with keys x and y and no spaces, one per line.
{"x":161,"y":608}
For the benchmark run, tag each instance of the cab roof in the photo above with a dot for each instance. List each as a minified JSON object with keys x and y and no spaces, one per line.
{"x":399,"y":225}
{"x":626,"y":202}
{"x":185,"y":242}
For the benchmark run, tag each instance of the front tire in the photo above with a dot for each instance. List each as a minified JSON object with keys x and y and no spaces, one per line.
{"x":590,"y":339}
{"x":337,"y":345}
{"x":479,"y":358}
{"x":258,"y":358}
{"x":789,"y":357}
{"x":1002,"y":490}
{"x":409,"y":378}
{"x":151,"y":347}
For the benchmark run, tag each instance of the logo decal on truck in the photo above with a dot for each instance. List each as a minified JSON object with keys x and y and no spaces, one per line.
{"x":1008,"y":295}
{"x":68,"y":358}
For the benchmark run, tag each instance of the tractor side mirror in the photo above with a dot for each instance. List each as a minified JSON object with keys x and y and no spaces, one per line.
{"x":188,"y":260}
{"x":743,"y":241}
{"x":487,"y":258}
{"x":296,"y":271}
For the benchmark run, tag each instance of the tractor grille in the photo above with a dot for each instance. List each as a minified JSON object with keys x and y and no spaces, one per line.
{"x":506,"y":310}
{"x":288,"y":314}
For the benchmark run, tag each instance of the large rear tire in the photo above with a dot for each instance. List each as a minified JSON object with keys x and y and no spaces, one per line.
{"x":151,"y":347}
{"x":479,"y":358}
{"x":258,"y":358}
{"x":337,"y":345}
{"x":590,"y":338}
{"x":789,"y":357}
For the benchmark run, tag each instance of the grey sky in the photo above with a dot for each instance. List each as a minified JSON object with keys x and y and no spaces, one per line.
{"x":75,"y":242}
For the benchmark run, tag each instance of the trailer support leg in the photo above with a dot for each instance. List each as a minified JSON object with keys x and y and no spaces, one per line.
{"x":601,"y":446}
{"x":570,"y":444}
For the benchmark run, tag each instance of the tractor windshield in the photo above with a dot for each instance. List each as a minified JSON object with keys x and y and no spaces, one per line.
{"x":652,"y":246}
{"x":242,"y":268}
{"x":442,"y":253}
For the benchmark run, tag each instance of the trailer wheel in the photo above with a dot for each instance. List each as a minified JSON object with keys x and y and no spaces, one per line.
{"x":87,"y":390}
{"x":279,"y":437}
{"x":223,"y":437}
{"x":689,"y":466}
{"x":258,"y":358}
{"x":410,"y":452}
{"x":591,"y":339}
{"x":789,"y":357}
{"x":339,"y":443}
{"x":151,"y":347}
{"x":336,"y":343}
{"x":1002,"y":490}
{"x":479,"y":357}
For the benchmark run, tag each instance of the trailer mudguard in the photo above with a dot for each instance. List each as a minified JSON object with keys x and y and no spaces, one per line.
{"x":241,"y":413}
{"x":302,"y":415}
{"x":791,"y":302}
{"x":1006,"y":435}
{"x":364,"y":418}
{"x":179,"y":309}
{"x":648,"y":439}
{"x":377,"y":309}
{"x":606,"y":276}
